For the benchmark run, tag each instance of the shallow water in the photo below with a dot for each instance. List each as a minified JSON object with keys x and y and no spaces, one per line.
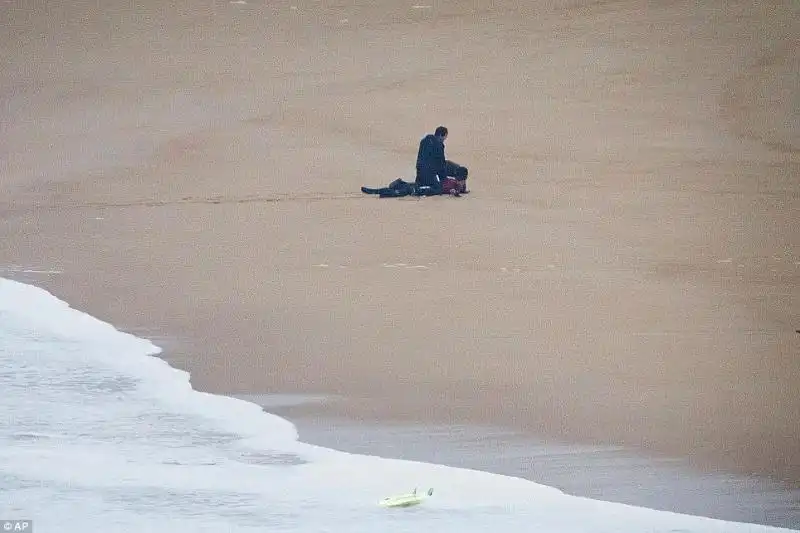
{"x":101,"y":436}
{"x":599,"y":472}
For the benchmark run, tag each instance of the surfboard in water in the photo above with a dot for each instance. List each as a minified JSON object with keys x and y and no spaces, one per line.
{"x":406,"y":500}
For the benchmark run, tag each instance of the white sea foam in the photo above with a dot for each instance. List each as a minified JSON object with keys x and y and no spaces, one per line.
{"x":102,"y":436}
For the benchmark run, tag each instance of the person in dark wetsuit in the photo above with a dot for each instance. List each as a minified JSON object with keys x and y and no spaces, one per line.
{"x":432,"y":167}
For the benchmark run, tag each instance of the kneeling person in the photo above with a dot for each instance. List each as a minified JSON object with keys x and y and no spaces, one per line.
{"x":435,"y":174}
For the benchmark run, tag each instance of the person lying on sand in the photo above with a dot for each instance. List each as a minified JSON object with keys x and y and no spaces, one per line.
{"x":435,"y":174}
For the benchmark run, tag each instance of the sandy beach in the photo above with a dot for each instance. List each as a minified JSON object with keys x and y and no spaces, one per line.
{"x":625,"y":271}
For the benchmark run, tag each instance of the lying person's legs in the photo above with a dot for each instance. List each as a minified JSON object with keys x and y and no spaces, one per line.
{"x":395,"y":189}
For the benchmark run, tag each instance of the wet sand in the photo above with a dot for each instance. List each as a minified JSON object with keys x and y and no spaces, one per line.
{"x":604,"y":473}
{"x":625,"y":272}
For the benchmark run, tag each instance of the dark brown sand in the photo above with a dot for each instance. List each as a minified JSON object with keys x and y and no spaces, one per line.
{"x":625,"y":271}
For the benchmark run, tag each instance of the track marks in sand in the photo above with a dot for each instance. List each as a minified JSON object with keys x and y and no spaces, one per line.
{"x":770,"y":266}
{"x":68,"y":204}
{"x":189,"y":200}
{"x":385,"y":265}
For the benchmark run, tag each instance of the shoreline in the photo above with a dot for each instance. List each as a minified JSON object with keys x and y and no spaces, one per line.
{"x":603,"y":473}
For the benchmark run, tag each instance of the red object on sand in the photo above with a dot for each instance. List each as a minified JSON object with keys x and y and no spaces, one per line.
{"x":452,"y":185}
